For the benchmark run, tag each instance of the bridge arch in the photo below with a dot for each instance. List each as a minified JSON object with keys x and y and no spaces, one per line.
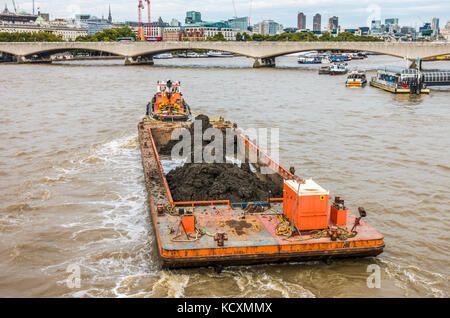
{"x":52,"y":51}
{"x":437,"y":55}
{"x":185,"y":48}
{"x":331,"y":49}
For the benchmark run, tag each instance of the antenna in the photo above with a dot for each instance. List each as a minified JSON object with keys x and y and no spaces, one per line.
{"x":234,"y":7}
{"x":250,"y":15}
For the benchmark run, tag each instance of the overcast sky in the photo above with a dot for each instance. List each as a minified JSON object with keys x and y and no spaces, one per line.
{"x":351,"y":13}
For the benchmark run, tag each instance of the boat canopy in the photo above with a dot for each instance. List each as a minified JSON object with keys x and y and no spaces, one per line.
{"x":436,"y":77}
{"x":175,"y":87}
{"x":398,"y":70}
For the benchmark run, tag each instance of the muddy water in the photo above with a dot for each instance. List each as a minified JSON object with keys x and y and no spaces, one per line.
{"x":72,"y":190}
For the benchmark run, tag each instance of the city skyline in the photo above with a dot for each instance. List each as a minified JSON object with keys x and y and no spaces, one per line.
{"x":351,"y":13}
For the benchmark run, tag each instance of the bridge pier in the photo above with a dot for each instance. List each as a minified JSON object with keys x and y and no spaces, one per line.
{"x":139,"y":60}
{"x":264,"y":62}
{"x":415,"y":66}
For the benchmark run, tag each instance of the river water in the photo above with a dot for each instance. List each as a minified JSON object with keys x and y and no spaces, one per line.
{"x":73,"y":194}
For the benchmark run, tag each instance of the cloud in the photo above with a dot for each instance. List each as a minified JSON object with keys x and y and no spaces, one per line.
{"x":350,"y":12}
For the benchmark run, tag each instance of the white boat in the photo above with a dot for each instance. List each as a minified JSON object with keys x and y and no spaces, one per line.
{"x":309,"y":60}
{"x":356,"y":78}
{"x":164,"y":56}
{"x":219,"y":54}
{"x":338,"y":69}
{"x":196,"y":55}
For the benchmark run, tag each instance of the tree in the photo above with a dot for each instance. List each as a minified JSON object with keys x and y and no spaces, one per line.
{"x":109,"y":35}
{"x":218,"y":37}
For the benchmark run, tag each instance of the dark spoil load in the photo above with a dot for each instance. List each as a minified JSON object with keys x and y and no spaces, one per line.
{"x":213,"y":182}
{"x":217,"y":181}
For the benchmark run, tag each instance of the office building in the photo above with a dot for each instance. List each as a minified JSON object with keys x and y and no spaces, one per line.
{"x":240,"y":24}
{"x":317,"y":23}
{"x":301,"y":21}
{"x":193,"y":17}
{"x":268,"y":27}
{"x":333,"y":24}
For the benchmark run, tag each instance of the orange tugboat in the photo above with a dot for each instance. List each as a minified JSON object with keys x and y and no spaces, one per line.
{"x":168,"y":103}
{"x":300,"y":223}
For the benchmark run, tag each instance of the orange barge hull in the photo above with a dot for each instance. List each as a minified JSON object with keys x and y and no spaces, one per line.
{"x":252,"y":240}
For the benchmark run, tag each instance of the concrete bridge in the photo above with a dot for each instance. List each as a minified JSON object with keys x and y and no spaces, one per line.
{"x":264,"y":53}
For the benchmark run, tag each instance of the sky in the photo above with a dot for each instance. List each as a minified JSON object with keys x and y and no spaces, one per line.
{"x":351,"y":13}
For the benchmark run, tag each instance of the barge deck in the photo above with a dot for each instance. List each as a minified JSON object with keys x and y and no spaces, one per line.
{"x":220,"y":233}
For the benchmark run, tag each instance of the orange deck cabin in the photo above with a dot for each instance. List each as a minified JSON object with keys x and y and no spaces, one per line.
{"x":168,"y":103}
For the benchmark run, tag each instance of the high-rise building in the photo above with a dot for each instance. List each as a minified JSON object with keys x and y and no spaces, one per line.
{"x":446,"y":31}
{"x":301,"y":21}
{"x":240,"y":24}
{"x":435,"y":26}
{"x":376,"y":25}
{"x":392,"y":21}
{"x":391,"y":26}
{"x":333,"y":24}
{"x":175,"y":23}
{"x":268,"y":27}
{"x":193,"y":17}
{"x":317,"y":23}
{"x":375,"y":28}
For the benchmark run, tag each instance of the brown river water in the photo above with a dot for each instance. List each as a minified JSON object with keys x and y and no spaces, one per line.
{"x":72,"y":187}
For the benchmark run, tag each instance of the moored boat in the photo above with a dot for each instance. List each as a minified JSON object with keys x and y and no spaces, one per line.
{"x":164,"y":56}
{"x":168,"y":103}
{"x":309,"y":60}
{"x":356,"y":78}
{"x":400,"y":81}
{"x":325,"y":70}
{"x":338,"y":69}
{"x":219,"y":54}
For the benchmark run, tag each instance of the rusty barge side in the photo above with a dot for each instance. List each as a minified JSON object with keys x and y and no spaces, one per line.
{"x":250,"y":241}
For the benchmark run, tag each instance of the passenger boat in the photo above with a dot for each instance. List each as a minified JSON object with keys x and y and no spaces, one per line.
{"x":168,"y":103}
{"x":400,"y":81}
{"x":219,"y":54}
{"x":356,"y":78}
{"x":309,"y":60}
{"x":338,"y":69}
{"x":299,"y":225}
{"x":196,"y":55}
{"x":164,"y":56}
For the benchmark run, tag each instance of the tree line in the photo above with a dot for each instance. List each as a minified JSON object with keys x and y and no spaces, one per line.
{"x":109,"y":35}
{"x":113,"y":35}
{"x":30,"y":37}
{"x":307,"y":36}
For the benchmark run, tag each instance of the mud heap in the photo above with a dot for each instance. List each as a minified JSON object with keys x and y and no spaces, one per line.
{"x":219,"y":181}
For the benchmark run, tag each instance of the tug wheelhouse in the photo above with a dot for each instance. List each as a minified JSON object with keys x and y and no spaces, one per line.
{"x":168,"y":103}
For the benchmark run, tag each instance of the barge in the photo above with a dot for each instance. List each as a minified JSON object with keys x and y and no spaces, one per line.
{"x":302,"y":224}
{"x":400,"y":81}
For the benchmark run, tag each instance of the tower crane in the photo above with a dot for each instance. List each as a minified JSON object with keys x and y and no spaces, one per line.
{"x":234,"y":7}
{"x":140,"y":31}
{"x":149,"y":27}
{"x":250,"y":16}
{"x":14,"y":4}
